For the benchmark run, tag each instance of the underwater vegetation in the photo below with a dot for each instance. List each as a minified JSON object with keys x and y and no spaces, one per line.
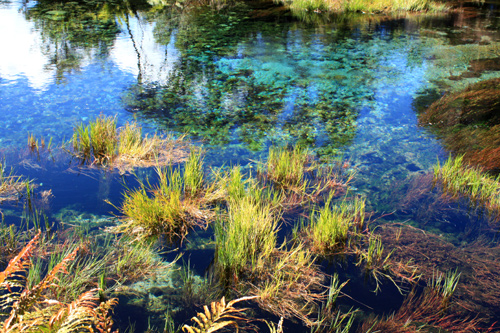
{"x":101,"y":142}
{"x":287,"y":230}
{"x":282,"y":276}
{"x":185,"y":197}
{"x":426,"y":312}
{"x":12,"y":187}
{"x":468,"y":122}
{"x":477,"y":262}
{"x":221,"y":88}
{"x":246,"y":214}
{"x":36,"y":145}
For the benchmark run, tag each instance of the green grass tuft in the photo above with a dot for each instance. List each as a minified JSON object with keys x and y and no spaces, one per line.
{"x":103,"y":138}
{"x":332,"y":227}
{"x":161,"y":213}
{"x":460,"y":179}
{"x":179,"y":201}
{"x":370,"y":6}
{"x":193,"y":174}
{"x":81,"y":141}
{"x":246,"y":236}
{"x":101,"y":142}
{"x":301,"y":176}
{"x":287,"y":167}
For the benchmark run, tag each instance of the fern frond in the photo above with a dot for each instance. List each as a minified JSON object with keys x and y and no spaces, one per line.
{"x":103,"y":321}
{"x":30,"y":297}
{"x":60,"y":267}
{"x":219,"y":316}
{"x":29,"y":309}
{"x":13,"y":278}
{"x":36,"y":320}
{"x":21,"y":262}
{"x":80,"y":314}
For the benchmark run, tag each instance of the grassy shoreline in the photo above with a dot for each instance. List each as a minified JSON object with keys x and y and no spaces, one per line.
{"x":365,"y":6}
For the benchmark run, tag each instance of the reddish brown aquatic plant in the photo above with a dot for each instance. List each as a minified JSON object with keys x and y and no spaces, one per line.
{"x":469,"y":122}
{"x":478,"y":293}
{"x":423,"y":313}
{"x":290,"y":286}
{"x":418,"y":194}
{"x":478,"y":103}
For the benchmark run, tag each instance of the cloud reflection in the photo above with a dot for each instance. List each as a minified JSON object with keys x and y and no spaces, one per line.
{"x":21,"y":54}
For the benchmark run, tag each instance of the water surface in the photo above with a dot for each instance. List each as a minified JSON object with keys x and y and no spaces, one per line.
{"x":238,"y":80}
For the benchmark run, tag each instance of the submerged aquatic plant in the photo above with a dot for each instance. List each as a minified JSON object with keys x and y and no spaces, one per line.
{"x":467,"y":120}
{"x":35,"y":144}
{"x":428,"y":310}
{"x":248,"y":258}
{"x":11,"y":186}
{"x":331,"y":319}
{"x":289,"y":285}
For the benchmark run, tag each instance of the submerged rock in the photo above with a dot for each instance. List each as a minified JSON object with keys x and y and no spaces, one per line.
{"x":469,"y":122}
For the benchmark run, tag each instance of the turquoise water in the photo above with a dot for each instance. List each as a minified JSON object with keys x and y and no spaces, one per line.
{"x":236,"y":81}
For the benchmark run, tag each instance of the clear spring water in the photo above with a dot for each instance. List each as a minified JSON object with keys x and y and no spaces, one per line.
{"x":239,"y":79}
